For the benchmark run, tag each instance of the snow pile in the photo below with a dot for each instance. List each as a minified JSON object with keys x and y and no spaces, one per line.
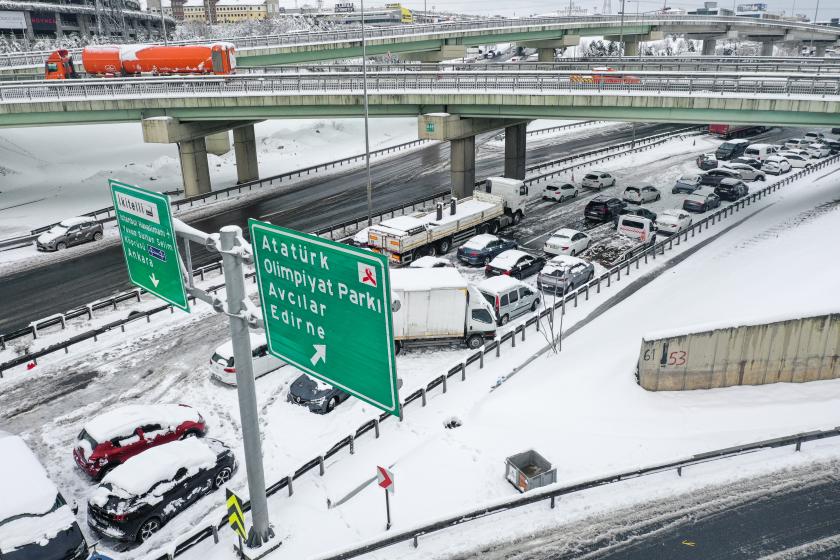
{"x":421,"y":279}
{"x":124,"y":420}
{"x":23,"y":481}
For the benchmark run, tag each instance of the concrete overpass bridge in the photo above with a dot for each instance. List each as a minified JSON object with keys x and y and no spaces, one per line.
{"x":452,"y":106}
{"x":446,"y":41}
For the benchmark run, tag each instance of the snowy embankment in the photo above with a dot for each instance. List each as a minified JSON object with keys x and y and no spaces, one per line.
{"x":582,"y":409}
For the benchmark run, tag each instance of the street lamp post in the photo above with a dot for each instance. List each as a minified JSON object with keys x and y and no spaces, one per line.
{"x":367,"y":130}
{"x":621,"y":33}
{"x":163,"y":24}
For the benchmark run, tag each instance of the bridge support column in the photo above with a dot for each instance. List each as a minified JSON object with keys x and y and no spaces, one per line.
{"x":545,"y":55}
{"x":59,"y":27}
{"x":194,"y":168}
{"x":631,"y":48}
{"x":820,"y":49}
{"x":462,"y":166}
{"x":245,"y":148}
{"x":515,"y":143}
{"x":767,"y":48}
{"x":709,"y":47}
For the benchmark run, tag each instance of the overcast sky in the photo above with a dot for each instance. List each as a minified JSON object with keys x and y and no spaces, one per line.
{"x":828,"y":8}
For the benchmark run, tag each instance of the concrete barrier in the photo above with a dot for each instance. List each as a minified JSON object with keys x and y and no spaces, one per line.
{"x":786,"y":351}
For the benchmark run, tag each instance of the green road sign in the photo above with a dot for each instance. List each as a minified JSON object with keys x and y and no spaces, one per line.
{"x":430,"y":127}
{"x":149,"y":243}
{"x":327,"y":310}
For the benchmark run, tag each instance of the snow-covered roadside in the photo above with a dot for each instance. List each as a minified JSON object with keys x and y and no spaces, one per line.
{"x":588,"y":415}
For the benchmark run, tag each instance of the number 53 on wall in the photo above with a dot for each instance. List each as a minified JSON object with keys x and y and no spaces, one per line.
{"x":673,"y":358}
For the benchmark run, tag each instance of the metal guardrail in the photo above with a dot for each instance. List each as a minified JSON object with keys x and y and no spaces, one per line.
{"x":444,"y":29}
{"x":494,"y":347}
{"x":679,"y":83}
{"x":553,"y":492}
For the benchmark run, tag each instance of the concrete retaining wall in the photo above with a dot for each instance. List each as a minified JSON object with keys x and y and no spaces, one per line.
{"x":793,"y":351}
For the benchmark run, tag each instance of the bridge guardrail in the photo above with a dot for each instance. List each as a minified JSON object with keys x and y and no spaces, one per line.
{"x":440,"y":82}
{"x":340,"y":231}
{"x":494,"y":347}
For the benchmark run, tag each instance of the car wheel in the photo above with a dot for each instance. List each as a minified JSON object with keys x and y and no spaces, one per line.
{"x":573,"y":253}
{"x":517,"y":217}
{"x":431,"y":251}
{"x":762,"y":178}
{"x":192,"y":433}
{"x":332,"y":403}
{"x":103,"y":472}
{"x":97,"y":236}
{"x":61,"y":246}
{"x":221,"y":478}
{"x":483,"y":228}
{"x":397,"y":348}
{"x":658,"y":197}
{"x":487,"y":260}
{"x":444,"y":246}
{"x":148,"y":528}
{"x":504,"y":320}
{"x":535,"y":305}
{"x":494,"y":226}
{"x":475,"y":341}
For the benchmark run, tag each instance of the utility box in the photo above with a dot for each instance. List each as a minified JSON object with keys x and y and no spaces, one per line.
{"x":529,"y":470}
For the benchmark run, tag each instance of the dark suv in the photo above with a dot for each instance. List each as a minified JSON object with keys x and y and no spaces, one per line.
{"x":603,"y":209}
{"x":713,"y":177}
{"x":731,"y":189}
{"x":137,"y":498}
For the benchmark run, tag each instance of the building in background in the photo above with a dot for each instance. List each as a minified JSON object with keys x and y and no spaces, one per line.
{"x":219,"y":11}
{"x":118,"y":19}
{"x":711,"y":9}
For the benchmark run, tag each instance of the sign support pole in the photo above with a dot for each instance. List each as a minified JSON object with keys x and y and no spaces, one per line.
{"x":232,"y":247}
{"x":387,"y":510}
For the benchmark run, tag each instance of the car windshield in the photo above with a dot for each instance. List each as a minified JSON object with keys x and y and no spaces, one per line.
{"x":688,"y":178}
{"x":58,"y":228}
{"x":631,"y":189}
{"x":84,"y":436}
{"x":590,"y":176}
{"x":221,"y":360}
{"x":489,"y":297}
{"x":558,"y":239}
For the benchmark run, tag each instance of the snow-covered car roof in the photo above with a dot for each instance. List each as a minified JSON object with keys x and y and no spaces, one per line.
{"x":24,"y":484}
{"x":564,"y":261}
{"x":498,"y":284}
{"x":69,"y":222}
{"x":40,"y":529}
{"x":670,"y":215}
{"x":479,"y":241}
{"x":124,"y":420}
{"x":226,"y":349}
{"x":565,"y":232}
{"x":700,"y":198}
{"x":137,"y":475}
{"x":430,"y":262}
{"x":508,"y":258}
{"x":419,"y":279}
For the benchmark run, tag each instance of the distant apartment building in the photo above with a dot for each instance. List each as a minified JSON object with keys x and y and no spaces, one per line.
{"x":711,"y":9}
{"x":218,"y":11}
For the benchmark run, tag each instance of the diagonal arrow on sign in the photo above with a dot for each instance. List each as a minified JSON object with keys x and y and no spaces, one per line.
{"x":154,"y":280}
{"x":320,"y":354}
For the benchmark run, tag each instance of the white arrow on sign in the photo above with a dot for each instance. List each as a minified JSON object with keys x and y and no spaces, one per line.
{"x":154,"y":280}
{"x":320,"y":353}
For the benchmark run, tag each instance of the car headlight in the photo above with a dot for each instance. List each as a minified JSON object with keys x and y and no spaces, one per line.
{"x":319,"y":401}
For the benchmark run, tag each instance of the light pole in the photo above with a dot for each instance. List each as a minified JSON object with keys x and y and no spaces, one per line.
{"x":816,"y":15}
{"x":163,"y":24}
{"x":621,"y":33}
{"x":367,"y":131}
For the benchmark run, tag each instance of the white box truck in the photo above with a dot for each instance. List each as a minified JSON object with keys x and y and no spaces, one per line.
{"x":438,"y":306}
{"x":406,"y":238}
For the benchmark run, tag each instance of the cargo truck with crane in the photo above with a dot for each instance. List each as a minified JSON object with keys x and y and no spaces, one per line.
{"x":406,"y":238}
{"x":135,"y":60}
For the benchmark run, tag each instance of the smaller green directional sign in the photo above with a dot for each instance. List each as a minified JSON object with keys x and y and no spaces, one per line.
{"x":149,"y":243}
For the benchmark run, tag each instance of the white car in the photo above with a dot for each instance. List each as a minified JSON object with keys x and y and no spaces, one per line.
{"x":640,"y":195}
{"x":814,"y":137}
{"x":559,"y":193}
{"x":598,"y":180}
{"x":796,"y":160}
{"x":567,"y":242}
{"x":818,"y":151}
{"x":797,"y":143}
{"x":673,"y":221}
{"x":223,"y":369}
{"x":775,"y":165}
{"x":747,"y":172}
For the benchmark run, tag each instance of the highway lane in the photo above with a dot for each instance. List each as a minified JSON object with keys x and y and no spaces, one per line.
{"x":35,"y":293}
{"x":792,"y":514}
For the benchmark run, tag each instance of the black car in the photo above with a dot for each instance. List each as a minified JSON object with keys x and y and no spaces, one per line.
{"x":752,"y":162}
{"x":636,"y":211}
{"x":701,"y":201}
{"x":514,"y":263}
{"x":731,"y":189}
{"x":481,"y":249}
{"x":603,"y":209}
{"x":140,"y":496}
{"x":833,"y":146}
{"x":316,"y":395}
{"x":713,"y":177}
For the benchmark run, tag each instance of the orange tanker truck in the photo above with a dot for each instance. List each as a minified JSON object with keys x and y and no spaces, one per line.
{"x":134,"y":60}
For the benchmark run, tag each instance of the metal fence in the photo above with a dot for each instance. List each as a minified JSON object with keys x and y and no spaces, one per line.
{"x":536,"y":322}
{"x":167,"y":90}
{"x":339,"y":231}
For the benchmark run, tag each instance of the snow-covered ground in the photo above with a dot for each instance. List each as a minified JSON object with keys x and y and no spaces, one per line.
{"x":50,"y":173}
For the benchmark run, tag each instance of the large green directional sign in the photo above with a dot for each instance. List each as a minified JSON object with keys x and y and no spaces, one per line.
{"x":149,"y":243}
{"x":327,"y":310}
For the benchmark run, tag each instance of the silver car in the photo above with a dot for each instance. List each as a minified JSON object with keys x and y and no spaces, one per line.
{"x":564,"y":273}
{"x":509,"y":297}
{"x":71,"y":231}
{"x":747,"y":172}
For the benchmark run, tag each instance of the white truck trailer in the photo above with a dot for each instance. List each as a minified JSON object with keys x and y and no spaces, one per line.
{"x":438,"y":306}
{"x":633,"y":235}
{"x":406,"y":238}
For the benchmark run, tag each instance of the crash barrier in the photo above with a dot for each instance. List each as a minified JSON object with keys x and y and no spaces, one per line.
{"x":542,"y":323}
{"x":341,"y":231}
{"x":106,"y":214}
{"x":554,"y":492}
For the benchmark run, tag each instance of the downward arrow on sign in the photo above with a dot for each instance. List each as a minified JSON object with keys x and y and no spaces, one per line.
{"x":154,"y":280}
{"x":320,"y":354}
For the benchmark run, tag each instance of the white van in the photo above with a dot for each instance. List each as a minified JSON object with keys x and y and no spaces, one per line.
{"x":509,"y":297}
{"x":222,"y":367}
{"x":760,"y":151}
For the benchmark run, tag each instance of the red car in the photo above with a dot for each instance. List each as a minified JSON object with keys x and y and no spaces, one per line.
{"x":114,"y":437}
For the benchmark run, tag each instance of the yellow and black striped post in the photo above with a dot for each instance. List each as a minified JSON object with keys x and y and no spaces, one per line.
{"x":236,"y":519}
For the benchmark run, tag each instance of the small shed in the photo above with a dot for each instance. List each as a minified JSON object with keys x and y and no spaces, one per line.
{"x":529,"y":470}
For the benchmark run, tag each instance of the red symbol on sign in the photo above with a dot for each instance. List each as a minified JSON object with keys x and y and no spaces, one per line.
{"x":385,"y":479}
{"x":369,"y":279}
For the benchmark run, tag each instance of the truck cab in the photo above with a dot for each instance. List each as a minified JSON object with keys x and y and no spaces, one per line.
{"x":513,"y":191}
{"x":59,"y":66}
